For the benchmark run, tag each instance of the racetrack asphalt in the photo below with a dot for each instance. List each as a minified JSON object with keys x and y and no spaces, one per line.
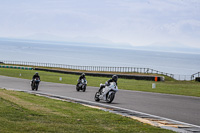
{"x":180,"y":108}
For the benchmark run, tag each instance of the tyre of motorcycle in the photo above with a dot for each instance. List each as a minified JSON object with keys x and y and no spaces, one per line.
{"x":110,"y":97}
{"x":36,"y":86}
{"x":77,"y":88}
{"x":32,"y":86}
{"x":96,"y":97}
{"x":84,"y":88}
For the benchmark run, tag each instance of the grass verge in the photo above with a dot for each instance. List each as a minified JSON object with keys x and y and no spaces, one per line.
{"x":188,"y":88}
{"x":22,"y":112}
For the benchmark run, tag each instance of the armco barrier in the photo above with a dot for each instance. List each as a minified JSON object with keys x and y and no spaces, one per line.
{"x":16,"y":67}
{"x":103,"y":69}
{"x":90,"y":68}
{"x":137,"y":77}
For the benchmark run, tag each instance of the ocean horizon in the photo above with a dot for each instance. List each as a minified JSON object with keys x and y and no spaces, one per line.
{"x":168,"y":62}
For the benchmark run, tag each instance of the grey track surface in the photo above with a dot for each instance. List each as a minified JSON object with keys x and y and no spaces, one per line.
{"x":181,"y":108}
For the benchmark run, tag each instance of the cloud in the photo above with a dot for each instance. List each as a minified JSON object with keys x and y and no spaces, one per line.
{"x":138,"y":22}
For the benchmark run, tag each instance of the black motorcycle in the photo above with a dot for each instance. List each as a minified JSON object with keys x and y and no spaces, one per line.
{"x":35,"y":84}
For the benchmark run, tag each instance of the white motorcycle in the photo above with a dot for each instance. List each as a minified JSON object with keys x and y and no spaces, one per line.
{"x":82,"y":85}
{"x":107,"y":93}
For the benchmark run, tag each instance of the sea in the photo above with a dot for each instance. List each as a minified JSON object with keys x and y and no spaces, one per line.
{"x":183,"y":65}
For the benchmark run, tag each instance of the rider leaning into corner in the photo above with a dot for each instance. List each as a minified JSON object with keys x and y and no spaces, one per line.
{"x":36,"y":75}
{"x":113,"y":79}
{"x":81,"y":77}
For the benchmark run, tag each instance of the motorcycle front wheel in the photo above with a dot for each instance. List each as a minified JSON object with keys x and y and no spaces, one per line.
{"x":77,"y":88}
{"x":110,"y":97}
{"x":96,"y":97}
{"x":84,"y":88}
{"x":36,"y":86}
{"x":32,"y":87}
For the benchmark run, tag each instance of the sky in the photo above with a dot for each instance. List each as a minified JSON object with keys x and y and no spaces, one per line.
{"x":134,"y":22}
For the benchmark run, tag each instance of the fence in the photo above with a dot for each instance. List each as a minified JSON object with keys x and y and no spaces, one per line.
{"x":182,"y":77}
{"x":195,"y":75}
{"x":100,"y":68}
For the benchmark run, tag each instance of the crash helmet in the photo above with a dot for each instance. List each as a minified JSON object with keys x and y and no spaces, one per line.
{"x":83,"y":75}
{"x":36,"y":73}
{"x":114,"y":78}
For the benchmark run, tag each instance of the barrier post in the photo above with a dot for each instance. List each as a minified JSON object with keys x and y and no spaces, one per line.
{"x":156,"y":79}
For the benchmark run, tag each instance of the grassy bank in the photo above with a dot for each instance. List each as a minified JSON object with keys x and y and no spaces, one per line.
{"x":188,"y":88}
{"x":22,"y":112}
{"x":167,"y":78}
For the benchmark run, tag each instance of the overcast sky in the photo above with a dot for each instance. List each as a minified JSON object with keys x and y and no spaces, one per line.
{"x":135,"y":22}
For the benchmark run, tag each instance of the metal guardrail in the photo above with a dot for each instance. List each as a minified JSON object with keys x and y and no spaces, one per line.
{"x":182,"y":77}
{"x":101,"y":69}
{"x":90,"y":68}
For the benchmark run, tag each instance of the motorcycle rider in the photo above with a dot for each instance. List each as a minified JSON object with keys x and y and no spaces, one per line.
{"x":36,"y":75}
{"x":81,"y":77}
{"x":113,"y":79}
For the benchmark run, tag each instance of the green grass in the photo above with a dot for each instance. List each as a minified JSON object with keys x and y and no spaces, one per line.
{"x":188,"y":88}
{"x":21,"y":112}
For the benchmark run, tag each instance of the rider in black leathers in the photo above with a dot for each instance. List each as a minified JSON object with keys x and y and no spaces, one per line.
{"x":113,"y":79}
{"x":81,"y":77}
{"x":36,"y":75}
